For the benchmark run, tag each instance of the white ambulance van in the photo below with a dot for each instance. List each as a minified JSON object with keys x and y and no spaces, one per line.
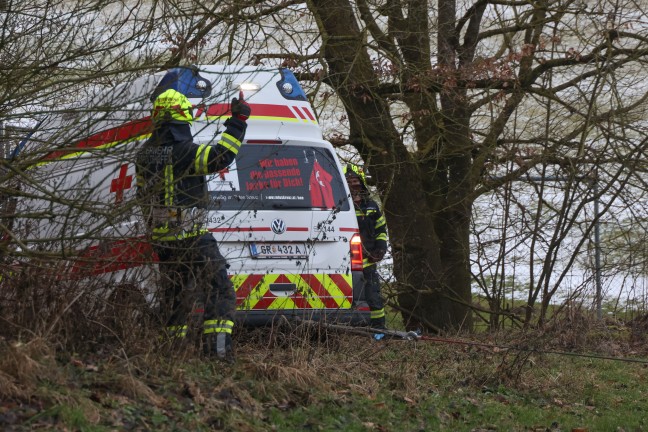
{"x":281,"y":213}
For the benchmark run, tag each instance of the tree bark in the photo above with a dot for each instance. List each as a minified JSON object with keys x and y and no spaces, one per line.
{"x":425,"y":201}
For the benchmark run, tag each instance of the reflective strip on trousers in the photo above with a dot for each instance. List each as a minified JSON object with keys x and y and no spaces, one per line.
{"x":221,"y":345}
{"x":177,"y":331}
{"x":218,"y":326}
{"x":378,"y":313}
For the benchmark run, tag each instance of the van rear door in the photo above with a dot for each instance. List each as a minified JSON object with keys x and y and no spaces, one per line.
{"x":282,"y":216}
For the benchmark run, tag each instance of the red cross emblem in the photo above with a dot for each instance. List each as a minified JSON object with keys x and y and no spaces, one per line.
{"x":121,"y":183}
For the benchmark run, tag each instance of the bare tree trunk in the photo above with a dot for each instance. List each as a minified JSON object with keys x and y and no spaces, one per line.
{"x":432,"y":270}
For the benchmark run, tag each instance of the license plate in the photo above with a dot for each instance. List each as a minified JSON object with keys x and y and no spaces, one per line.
{"x":278,"y":250}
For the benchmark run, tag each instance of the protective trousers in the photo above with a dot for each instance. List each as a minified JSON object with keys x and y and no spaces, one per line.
{"x":373,"y":296}
{"x":194,"y":273}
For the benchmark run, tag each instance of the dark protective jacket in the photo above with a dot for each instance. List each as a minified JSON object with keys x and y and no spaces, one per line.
{"x":373,"y":231}
{"x":171,"y":177}
{"x":372,"y":225}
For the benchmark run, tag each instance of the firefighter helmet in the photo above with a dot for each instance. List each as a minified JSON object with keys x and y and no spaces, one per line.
{"x":172,"y":106}
{"x":355,"y":170}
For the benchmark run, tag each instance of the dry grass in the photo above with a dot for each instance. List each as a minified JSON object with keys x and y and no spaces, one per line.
{"x":23,"y":365}
{"x":109,"y":349}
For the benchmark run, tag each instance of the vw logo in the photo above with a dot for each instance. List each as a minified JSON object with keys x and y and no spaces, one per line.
{"x":278,"y":226}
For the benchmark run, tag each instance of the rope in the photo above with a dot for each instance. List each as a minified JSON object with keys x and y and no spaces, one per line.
{"x":533,"y":350}
{"x":367,"y":331}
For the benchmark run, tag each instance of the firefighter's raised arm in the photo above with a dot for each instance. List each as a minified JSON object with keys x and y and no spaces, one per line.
{"x":240,"y":108}
{"x":228,"y":145}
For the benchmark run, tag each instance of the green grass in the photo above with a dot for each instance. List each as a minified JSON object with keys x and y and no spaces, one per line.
{"x":338,"y":383}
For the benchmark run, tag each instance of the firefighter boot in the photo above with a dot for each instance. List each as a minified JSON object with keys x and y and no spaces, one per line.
{"x":378,"y":323}
{"x":219,"y":345}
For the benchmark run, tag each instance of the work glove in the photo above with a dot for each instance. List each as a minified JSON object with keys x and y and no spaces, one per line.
{"x":240,"y":108}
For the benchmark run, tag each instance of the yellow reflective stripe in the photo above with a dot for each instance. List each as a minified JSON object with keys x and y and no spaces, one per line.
{"x":161,"y":229}
{"x":282,"y":303}
{"x":366,"y":263}
{"x":163,"y":233}
{"x":348,"y":278}
{"x":218,"y":326}
{"x":168,"y":185}
{"x":380,"y":222}
{"x":177,"y":331}
{"x":378,"y":313}
{"x":315,"y":301}
{"x":382,"y":236}
{"x":202,"y":155}
{"x":359,"y":213}
{"x":238,"y":280}
{"x":334,"y":290}
{"x":260,"y":290}
{"x":90,"y":151}
{"x":228,"y":323}
{"x":230,"y":143}
{"x":307,"y":292}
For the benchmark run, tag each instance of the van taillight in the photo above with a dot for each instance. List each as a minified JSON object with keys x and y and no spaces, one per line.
{"x":356,"y":253}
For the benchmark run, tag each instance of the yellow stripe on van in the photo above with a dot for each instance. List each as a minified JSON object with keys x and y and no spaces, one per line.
{"x":307,"y":292}
{"x":334,"y":290}
{"x":91,"y":150}
{"x":322,"y":292}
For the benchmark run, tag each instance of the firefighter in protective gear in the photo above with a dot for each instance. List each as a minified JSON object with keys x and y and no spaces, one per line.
{"x":373,"y":232}
{"x":172,"y":192}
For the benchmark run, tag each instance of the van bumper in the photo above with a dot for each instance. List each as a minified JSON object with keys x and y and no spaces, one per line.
{"x":359,"y":315}
{"x":352,"y":317}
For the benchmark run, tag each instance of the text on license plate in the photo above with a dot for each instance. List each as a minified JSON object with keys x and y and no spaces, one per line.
{"x":278,"y":250}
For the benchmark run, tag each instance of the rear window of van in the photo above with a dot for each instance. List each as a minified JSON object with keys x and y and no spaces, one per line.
{"x":275,"y":177}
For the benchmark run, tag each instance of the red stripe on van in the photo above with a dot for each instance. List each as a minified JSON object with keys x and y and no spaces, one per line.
{"x":135,"y":128}
{"x":124,"y":132}
{"x":344,"y":286}
{"x":308,"y":113}
{"x":353,"y":230}
{"x":255,"y":229}
{"x":239,"y":229}
{"x":258,"y":110}
{"x":322,"y":293}
{"x":297,"y":298}
{"x":114,"y":256}
{"x":299,"y":113}
{"x":247,"y":286}
{"x":265,"y":302}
